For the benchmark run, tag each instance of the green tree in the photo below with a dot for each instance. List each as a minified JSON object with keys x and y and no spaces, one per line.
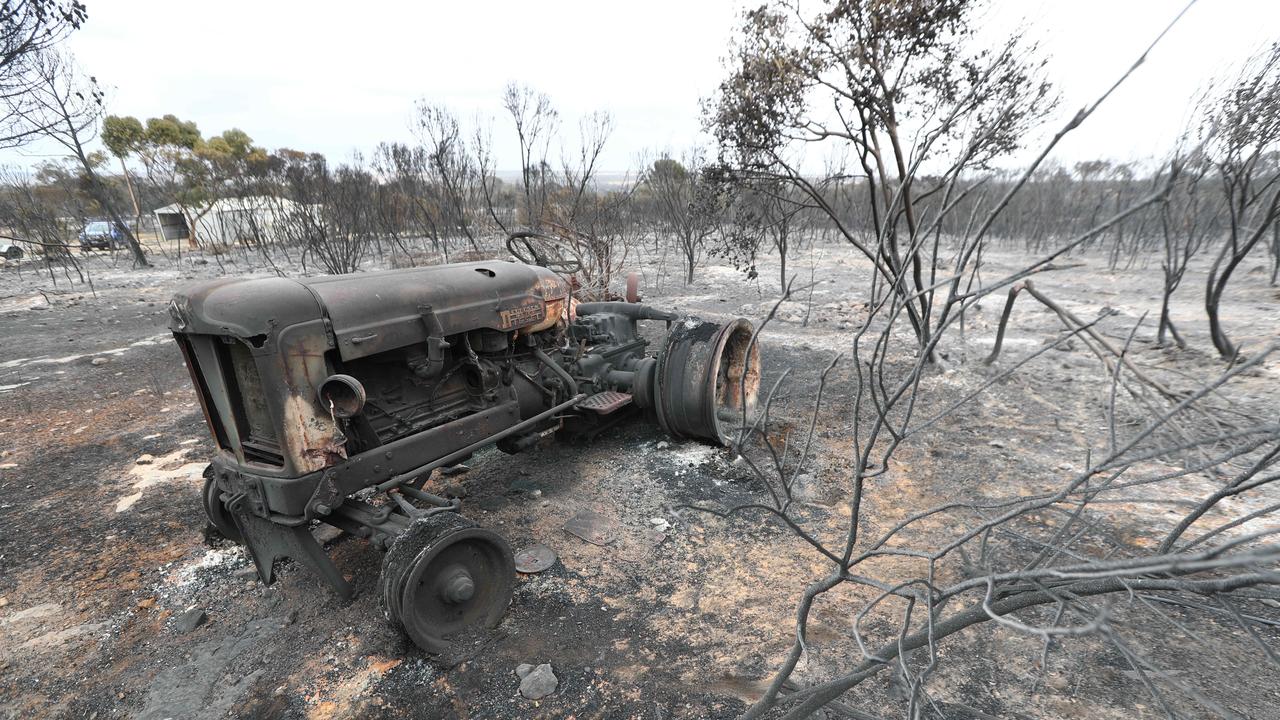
{"x":122,"y":136}
{"x":212,"y":169}
{"x":170,"y":132}
{"x":195,"y":171}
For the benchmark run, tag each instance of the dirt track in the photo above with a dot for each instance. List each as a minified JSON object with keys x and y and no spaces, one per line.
{"x":99,"y":555}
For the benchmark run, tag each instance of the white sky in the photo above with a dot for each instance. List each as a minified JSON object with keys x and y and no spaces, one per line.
{"x":340,"y":77}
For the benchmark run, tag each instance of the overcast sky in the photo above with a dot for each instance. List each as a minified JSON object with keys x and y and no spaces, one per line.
{"x":341,"y":77}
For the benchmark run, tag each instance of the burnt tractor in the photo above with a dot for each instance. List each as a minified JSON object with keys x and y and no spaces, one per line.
{"x":333,"y":399}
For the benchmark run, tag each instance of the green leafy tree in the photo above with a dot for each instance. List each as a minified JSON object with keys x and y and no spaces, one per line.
{"x":210,"y":170}
{"x":197,"y":171}
{"x":166,"y":141}
{"x":170,"y":132}
{"x":122,"y":137}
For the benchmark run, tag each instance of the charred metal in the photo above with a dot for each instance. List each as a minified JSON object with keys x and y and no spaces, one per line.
{"x":334,"y":399}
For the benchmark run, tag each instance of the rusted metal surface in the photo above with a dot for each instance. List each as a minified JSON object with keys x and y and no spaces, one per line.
{"x":372,"y":313}
{"x":535,"y":559}
{"x":311,"y":438}
{"x":593,"y":527}
{"x":321,"y":388}
{"x":633,"y":288}
{"x":606,"y":402}
{"x":707,"y":375}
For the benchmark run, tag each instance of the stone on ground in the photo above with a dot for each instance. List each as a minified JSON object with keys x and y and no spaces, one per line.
{"x":539,"y":682}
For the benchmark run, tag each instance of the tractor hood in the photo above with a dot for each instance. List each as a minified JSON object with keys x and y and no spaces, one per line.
{"x":369,"y":313}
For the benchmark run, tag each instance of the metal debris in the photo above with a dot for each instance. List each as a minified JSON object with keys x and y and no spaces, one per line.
{"x":592,"y":527}
{"x":535,"y":559}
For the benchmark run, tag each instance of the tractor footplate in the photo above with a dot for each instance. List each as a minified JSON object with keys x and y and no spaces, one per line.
{"x":606,"y":402}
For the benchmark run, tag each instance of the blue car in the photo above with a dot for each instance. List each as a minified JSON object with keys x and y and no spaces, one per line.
{"x":101,"y":234}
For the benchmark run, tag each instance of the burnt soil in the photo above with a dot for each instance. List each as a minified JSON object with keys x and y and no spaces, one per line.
{"x":101,"y":556}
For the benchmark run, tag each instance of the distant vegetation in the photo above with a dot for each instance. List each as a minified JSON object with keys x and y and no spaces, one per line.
{"x":910,"y":121}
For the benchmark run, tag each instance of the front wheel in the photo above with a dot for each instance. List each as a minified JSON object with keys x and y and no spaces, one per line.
{"x":445,"y":576}
{"x":216,"y":510}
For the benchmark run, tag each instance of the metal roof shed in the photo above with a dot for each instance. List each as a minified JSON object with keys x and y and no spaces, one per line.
{"x":227,"y":221}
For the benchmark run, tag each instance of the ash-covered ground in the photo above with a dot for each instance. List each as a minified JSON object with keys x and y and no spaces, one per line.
{"x":105,"y":564}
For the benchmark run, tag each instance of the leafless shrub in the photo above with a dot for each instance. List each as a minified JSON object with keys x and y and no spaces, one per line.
{"x":38,"y":223}
{"x":1045,"y":560}
{"x":758,"y":215}
{"x":1241,"y":138}
{"x":535,"y":120}
{"x":1188,"y":221}
{"x":329,"y":212}
{"x":450,"y":171}
{"x":686,"y":204}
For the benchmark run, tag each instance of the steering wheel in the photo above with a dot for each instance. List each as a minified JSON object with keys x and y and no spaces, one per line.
{"x":553,"y":253}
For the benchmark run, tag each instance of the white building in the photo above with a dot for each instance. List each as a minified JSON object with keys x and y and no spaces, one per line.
{"x":227,"y":221}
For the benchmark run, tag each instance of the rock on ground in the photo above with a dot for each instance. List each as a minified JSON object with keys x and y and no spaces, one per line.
{"x":189,"y":620}
{"x":538,"y":682}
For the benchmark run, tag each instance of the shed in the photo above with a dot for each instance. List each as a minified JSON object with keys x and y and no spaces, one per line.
{"x":226,"y":221}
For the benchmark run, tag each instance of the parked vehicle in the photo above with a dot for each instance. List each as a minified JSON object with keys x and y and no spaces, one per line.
{"x":102,"y":235}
